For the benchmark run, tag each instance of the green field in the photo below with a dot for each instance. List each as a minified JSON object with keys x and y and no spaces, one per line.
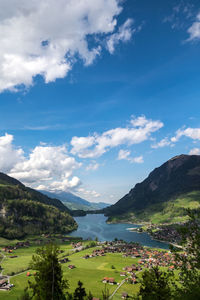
{"x":172,"y":211}
{"x":89,"y":271}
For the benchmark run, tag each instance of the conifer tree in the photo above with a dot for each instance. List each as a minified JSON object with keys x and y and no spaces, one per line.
{"x":48,"y":283}
{"x":79,"y":292}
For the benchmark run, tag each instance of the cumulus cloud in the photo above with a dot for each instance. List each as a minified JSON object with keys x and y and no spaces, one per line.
{"x":194,"y":29}
{"x":47,"y":37}
{"x":194,"y":151}
{"x":138,"y":131}
{"x":163,"y":143}
{"x":9,"y":154}
{"x":193,"y":133}
{"x":46,"y":167}
{"x":125,"y":154}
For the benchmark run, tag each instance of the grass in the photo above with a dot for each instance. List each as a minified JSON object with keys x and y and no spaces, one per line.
{"x":89,"y":271}
{"x":172,"y":211}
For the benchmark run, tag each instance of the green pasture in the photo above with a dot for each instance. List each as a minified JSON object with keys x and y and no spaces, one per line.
{"x":89,"y":271}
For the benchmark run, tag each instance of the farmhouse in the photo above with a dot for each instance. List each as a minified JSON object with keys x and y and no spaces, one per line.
{"x":4,"y":285}
{"x":124,"y":295}
{"x":71,"y":267}
{"x":109,"y":280}
{"x":64,"y":260}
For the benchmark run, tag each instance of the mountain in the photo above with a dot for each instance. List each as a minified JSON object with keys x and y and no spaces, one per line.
{"x":26,"y":211}
{"x":164,"y":195}
{"x":74,"y":202}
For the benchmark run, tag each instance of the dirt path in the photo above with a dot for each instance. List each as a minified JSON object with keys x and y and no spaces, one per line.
{"x":117,"y":289}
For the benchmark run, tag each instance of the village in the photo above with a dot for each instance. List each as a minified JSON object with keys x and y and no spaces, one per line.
{"x":138,"y":257}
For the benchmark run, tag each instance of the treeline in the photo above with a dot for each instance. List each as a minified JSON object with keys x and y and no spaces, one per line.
{"x":25,"y":211}
{"x":26,"y":217}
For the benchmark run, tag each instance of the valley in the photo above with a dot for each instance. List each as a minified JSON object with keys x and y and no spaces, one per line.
{"x":94,"y":263}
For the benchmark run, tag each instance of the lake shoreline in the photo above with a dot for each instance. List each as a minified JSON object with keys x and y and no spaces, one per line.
{"x":95,"y":226}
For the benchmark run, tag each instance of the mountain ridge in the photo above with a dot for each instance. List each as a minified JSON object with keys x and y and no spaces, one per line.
{"x":24,"y":210}
{"x":178,"y":176}
{"x":75,"y":202}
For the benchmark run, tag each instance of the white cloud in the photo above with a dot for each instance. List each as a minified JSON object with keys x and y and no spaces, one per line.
{"x":47,"y":37}
{"x":9,"y":154}
{"x":163,"y":143}
{"x":46,"y":166}
{"x":138,"y":159}
{"x":125,"y":154}
{"x":194,"y":151}
{"x":194,"y":30}
{"x":138,"y":131}
{"x":181,"y":13}
{"x":88,"y":193}
{"x":92,"y":167}
{"x":124,"y":34}
{"x":193,"y":133}
{"x":49,"y":166}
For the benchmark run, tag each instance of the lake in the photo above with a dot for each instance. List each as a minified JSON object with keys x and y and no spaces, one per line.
{"x":92,"y":226}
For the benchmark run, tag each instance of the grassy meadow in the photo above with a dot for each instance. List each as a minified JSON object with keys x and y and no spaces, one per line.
{"x":168,"y":212}
{"x":89,"y":271}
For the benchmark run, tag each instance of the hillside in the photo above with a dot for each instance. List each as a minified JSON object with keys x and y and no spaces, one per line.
{"x":26,"y":211}
{"x":164,"y":195}
{"x":74,"y":202}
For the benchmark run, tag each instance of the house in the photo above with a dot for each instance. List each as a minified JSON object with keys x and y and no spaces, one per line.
{"x":109,"y":280}
{"x":71,"y":267}
{"x":124,"y":295}
{"x":64,"y":260}
{"x":3,"y":282}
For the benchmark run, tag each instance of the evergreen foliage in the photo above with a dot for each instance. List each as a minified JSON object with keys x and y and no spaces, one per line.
{"x":26,"y":211}
{"x":156,"y":285}
{"x":48,"y":283}
{"x":189,"y":271}
{"x":79,"y":292}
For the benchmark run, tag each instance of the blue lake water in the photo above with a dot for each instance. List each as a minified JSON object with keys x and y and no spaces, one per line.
{"x":92,"y":226}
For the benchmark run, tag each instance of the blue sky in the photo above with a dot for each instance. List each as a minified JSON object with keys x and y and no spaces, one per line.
{"x":95,"y":94}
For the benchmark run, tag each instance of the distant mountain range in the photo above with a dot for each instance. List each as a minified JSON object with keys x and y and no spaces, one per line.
{"x":26,"y":211}
{"x":74,"y":202}
{"x":164,"y":195}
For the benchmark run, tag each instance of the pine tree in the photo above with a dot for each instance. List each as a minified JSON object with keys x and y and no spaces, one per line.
{"x":189,"y":261}
{"x":79,"y":292}
{"x":156,"y":285}
{"x":48,"y":283}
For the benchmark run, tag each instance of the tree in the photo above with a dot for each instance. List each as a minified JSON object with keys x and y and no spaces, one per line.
{"x":156,"y":285}
{"x":105,"y":293}
{"x":79,"y":292}
{"x":189,"y":260}
{"x":25,"y":295}
{"x":90,"y":296}
{"x":48,"y":283}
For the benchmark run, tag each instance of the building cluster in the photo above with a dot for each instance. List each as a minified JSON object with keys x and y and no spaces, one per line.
{"x":166,"y":233}
{"x":4,"y":283}
{"x":9,"y":249}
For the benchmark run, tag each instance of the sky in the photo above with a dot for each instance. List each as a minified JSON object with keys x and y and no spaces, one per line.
{"x":95,"y":94}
